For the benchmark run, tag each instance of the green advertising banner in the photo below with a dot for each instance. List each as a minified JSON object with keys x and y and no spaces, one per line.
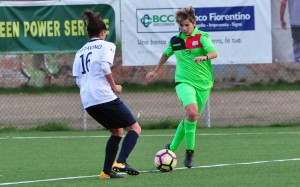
{"x":49,"y":26}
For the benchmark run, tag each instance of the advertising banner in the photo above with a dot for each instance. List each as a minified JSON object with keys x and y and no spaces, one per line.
{"x":240,"y":29}
{"x":51,"y":26}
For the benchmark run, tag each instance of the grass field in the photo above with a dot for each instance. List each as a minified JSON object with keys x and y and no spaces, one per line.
{"x":255,"y":156}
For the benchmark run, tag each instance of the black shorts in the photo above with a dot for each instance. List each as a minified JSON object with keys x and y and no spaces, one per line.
{"x":112,"y":115}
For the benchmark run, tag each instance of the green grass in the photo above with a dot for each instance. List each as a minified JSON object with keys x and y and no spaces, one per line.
{"x":51,"y":126}
{"x":166,"y":124}
{"x":34,"y":155}
{"x":151,"y":87}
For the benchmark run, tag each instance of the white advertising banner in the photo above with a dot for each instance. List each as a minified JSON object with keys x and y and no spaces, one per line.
{"x":240,"y":29}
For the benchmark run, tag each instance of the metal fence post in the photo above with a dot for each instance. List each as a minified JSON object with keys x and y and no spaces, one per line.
{"x":207,"y":113}
{"x":83,"y":119}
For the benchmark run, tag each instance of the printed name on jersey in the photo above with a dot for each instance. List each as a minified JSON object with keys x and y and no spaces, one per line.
{"x":89,"y":47}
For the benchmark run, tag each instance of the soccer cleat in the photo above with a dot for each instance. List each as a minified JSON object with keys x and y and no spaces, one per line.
{"x":124,"y":167}
{"x":188,"y":160}
{"x":112,"y":175}
{"x":167,"y":146}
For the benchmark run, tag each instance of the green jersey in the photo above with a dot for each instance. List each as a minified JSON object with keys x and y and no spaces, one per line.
{"x":186,"y":49}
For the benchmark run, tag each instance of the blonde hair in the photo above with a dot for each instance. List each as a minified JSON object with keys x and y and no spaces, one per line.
{"x":185,"y":13}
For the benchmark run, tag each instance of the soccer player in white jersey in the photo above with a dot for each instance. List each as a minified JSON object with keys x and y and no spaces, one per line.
{"x":92,"y":70}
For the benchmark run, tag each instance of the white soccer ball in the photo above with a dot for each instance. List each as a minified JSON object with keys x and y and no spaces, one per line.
{"x":165,"y":160}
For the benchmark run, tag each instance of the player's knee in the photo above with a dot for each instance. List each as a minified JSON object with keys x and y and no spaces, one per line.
{"x":192,"y":116}
{"x":117,"y":132}
{"x":135,"y":127}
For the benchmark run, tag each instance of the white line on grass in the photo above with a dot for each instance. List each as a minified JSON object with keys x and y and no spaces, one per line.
{"x":152,"y":171}
{"x":242,"y":163}
{"x":47,"y":180}
{"x":147,"y":135}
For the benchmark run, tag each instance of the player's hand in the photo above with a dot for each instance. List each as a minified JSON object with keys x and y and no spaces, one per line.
{"x":149,"y":77}
{"x":117,"y":89}
{"x":283,"y":25}
{"x":200,"y":59}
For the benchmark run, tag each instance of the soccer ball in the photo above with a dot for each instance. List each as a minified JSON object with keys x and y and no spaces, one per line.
{"x":165,"y":160}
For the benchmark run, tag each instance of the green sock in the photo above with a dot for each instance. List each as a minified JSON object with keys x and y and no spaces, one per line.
{"x":178,"y":138}
{"x":190,"y":130}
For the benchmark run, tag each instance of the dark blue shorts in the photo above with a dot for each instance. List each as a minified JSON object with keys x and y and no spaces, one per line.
{"x":112,"y":115}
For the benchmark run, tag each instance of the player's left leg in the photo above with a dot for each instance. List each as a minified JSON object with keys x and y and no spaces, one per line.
{"x":124,"y":118}
{"x":111,"y":151}
{"x":128,"y":144}
{"x":190,"y":124}
{"x":187,"y":95}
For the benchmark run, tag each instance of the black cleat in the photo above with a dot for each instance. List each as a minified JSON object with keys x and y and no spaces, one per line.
{"x":167,"y":146}
{"x":124,"y":167}
{"x":188,"y":160}
{"x":112,"y":175}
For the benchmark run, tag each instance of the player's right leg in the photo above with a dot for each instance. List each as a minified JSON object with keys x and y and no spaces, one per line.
{"x":178,"y":138}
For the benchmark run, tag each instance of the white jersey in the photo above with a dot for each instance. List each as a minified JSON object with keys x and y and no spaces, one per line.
{"x":294,"y":12}
{"x":94,"y":87}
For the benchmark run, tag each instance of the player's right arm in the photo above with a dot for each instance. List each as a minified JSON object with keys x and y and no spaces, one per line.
{"x":149,"y":77}
{"x":163,"y":59}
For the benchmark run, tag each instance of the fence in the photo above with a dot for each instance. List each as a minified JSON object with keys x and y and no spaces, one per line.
{"x":226,"y":108}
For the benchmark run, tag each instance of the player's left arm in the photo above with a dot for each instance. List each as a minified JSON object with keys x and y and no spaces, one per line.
{"x":282,"y":12}
{"x":209,"y":48}
{"x":117,"y":88}
{"x":105,"y":67}
{"x":106,"y":63}
{"x":75,"y":71}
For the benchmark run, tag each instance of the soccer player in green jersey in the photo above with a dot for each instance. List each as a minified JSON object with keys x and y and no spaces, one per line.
{"x":193,"y":50}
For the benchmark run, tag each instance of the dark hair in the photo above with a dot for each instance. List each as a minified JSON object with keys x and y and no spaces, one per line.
{"x":93,"y":22}
{"x":185,"y":13}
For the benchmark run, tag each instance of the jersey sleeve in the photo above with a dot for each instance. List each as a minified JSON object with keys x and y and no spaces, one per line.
{"x":109,"y":53}
{"x":169,"y":51}
{"x":105,"y":67}
{"x":76,"y":67}
{"x":207,"y":43}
